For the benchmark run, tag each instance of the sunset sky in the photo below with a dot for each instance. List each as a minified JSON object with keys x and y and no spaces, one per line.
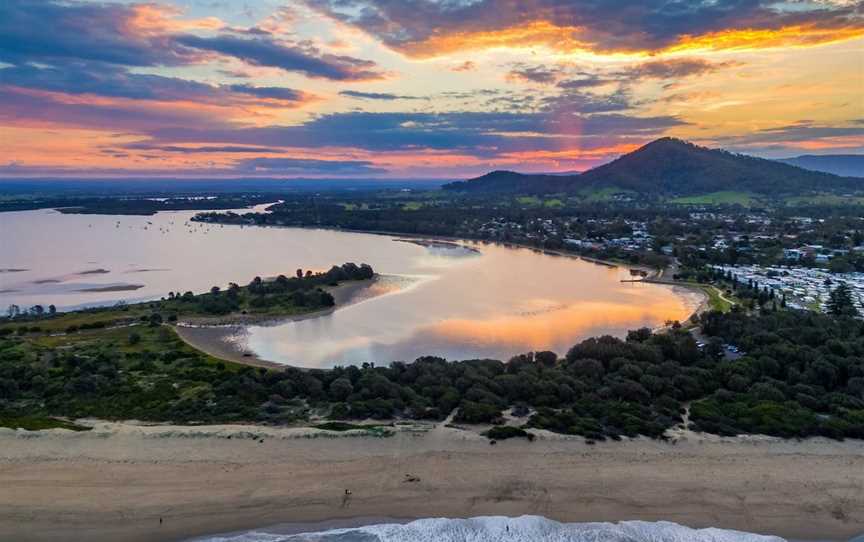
{"x":417,"y":88}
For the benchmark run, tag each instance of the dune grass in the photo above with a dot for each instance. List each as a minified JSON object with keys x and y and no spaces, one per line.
{"x":37,"y":423}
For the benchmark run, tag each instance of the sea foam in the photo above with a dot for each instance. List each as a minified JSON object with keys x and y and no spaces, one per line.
{"x":504,"y":529}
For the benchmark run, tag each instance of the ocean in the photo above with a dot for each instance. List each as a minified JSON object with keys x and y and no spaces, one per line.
{"x":491,"y":529}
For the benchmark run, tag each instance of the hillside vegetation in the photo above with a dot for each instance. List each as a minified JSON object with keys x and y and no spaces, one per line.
{"x":669,"y":166}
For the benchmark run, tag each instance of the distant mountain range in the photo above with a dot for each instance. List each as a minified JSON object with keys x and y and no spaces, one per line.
{"x":850,"y":165}
{"x":668,"y":166}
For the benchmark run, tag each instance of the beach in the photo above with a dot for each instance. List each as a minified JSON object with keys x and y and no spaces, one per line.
{"x":147,"y":483}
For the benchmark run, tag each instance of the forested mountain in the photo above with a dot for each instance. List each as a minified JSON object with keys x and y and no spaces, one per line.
{"x":515,"y":183}
{"x":669,"y":166}
{"x":850,"y":165}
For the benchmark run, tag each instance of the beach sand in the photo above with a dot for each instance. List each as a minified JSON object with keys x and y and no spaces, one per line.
{"x":117,"y":481}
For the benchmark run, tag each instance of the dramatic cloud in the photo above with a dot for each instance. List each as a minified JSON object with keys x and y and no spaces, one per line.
{"x":535,"y":74}
{"x":192,"y":87}
{"x":474,"y":134}
{"x":47,"y":31}
{"x":290,"y":57}
{"x":150,"y":35}
{"x":23,"y":108}
{"x":570,"y":77}
{"x":675,"y":68}
{"x":425,"y":28}
{"x":108,"y":80}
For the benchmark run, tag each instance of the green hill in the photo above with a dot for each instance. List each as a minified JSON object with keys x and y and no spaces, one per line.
{"x":668,"y":167}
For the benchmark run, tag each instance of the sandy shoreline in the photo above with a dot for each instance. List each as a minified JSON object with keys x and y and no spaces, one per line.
{"x":218,"y":336}
{"x":115,"y":482}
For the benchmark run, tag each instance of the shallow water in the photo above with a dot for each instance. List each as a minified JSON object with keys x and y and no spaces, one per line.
{"x":497,"y":529}
{"x":456,"y":302}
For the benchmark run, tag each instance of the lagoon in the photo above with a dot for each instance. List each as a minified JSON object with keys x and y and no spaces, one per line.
{"x":469,"y":300}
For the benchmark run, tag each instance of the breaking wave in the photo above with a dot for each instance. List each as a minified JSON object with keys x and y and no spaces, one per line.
{"x":505,"y":529}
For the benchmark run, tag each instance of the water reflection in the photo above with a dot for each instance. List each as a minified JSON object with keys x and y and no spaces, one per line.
{"x":504,"y":302}
{"x":453,"y":300}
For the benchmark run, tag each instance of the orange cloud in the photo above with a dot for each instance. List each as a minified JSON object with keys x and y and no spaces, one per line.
{"x":755,"y":38}
{"x":572,"y":39}
{"x":527,"y":35}
{"x":152,"y":19}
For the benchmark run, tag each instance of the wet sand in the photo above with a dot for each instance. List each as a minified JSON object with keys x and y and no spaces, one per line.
{"x":117,"y":481}
{"x":221,"y":337}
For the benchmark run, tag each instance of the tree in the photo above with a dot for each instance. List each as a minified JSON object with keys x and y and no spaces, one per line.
{"x":340,"y":389}
{"x":840,"y":302}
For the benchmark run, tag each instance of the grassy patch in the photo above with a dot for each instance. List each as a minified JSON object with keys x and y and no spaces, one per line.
{"x":603,"y":194}
{"x":36,"y":423}
{"x":726,"y":197}
{"x":715,"y":300}
{"x":98,"y":317}
{"x":534,"y":201}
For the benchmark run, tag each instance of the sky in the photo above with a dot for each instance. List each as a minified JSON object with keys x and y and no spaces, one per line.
{"x":417,"y":88}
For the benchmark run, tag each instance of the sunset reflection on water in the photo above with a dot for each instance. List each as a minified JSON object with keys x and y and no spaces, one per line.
{"x":497,"y":303}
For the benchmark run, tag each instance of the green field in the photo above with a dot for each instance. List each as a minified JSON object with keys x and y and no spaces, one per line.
{"x":534,"y":201}
{"x":603,"y":194}
{"x":726,"y":197}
